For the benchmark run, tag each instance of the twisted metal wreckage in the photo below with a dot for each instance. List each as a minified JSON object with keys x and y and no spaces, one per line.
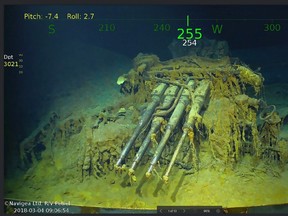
{"x":192,"y":101}
{"x":201,"y":99}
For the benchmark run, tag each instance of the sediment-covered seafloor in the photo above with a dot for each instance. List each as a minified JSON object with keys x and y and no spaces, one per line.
{"x":207,"y":136}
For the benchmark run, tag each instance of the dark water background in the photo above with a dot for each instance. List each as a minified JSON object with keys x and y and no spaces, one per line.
{"x":49,"y":60}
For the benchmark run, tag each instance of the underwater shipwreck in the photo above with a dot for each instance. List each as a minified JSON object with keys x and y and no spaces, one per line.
{"x":179,"y":118}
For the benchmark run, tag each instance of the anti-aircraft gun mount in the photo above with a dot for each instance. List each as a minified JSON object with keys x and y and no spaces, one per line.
{"x":197,"y":107}
{"x":196,"y":100}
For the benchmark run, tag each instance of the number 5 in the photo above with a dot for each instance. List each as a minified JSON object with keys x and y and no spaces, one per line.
{"x":197,"y":31}
{"x":189,"y":32}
